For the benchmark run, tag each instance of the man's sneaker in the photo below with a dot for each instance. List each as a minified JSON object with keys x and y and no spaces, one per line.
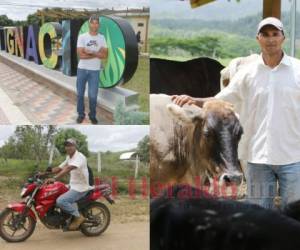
{"x":80,"y":119}
{"x":94,"y":121}
{"x":76,"y":222}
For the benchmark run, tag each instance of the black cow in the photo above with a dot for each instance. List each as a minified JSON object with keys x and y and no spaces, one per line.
{"x":185,"y":218}
{"x":198,"y":77}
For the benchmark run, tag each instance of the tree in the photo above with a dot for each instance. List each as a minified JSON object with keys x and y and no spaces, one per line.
{"x":33,"y":19}
{"x":34,"y":141}
{"x":9,"y":150}
{"x":123,"y":116}
{"x":29,"y":142}
{"x":143,"y":149}
{"x":5,"y":21}
{"x":196,"y":46}
{"x":64,"y":134}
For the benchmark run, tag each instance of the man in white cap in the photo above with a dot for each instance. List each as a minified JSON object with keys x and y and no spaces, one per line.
{"x":76,"y":165}
{"x":267,"y":93}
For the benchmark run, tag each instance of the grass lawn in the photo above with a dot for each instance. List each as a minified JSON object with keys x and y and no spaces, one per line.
{"x":140,"y":83}
{"x":176,"y":58}
{"x":14,"y":172}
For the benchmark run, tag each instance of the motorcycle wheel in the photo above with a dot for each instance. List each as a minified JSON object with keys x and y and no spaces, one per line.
{"x":96,"y":212}
{"x":13,"y":231}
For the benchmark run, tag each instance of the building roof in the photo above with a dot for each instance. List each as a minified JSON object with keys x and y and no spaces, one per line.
{"x":128,"y":156}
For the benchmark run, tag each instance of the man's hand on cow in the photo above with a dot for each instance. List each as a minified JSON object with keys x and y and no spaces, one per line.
{"x":183,"y":99}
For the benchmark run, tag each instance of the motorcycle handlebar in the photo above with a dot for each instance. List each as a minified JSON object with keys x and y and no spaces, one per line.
{"x":42,"y":174}
{"x":38,"y":177}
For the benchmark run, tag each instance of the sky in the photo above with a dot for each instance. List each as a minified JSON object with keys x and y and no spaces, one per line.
{"x":100,"y":138}
{"x":20,"y":9}
{"x":217,"y":10}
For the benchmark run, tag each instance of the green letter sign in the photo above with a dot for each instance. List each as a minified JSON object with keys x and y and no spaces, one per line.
{"x":122,"y":50}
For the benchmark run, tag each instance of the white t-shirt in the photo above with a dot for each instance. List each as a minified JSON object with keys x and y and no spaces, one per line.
{"x":93,"y":43}
{"x":79,"y":177}
{"x":268,"y":101}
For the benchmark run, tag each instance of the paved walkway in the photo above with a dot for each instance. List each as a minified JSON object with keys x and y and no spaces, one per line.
{"x":9,"y":112}
{"x":24,"y":101}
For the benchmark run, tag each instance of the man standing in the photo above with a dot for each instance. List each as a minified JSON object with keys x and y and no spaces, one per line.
{"x":267,"y":92}
{"x":76,"y":165}
{"x":91,"y":48}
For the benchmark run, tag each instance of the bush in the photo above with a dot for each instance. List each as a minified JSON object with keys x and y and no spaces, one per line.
{"x":124,"y":117}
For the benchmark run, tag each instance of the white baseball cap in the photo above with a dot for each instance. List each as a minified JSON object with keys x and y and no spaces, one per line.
{"x":71,"y":141}
{"x":270,"y":21}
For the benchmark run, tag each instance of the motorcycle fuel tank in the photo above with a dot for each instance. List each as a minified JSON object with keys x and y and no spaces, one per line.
{"x":51,"y":192}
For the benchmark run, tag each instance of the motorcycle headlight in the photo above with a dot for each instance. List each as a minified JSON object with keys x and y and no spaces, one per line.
{"x":23,"y":191}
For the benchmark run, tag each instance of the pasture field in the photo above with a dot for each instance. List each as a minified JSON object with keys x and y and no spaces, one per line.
{"x":140,"y":83}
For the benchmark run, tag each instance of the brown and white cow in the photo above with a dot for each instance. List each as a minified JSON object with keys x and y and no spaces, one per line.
{"x":190,"y":141}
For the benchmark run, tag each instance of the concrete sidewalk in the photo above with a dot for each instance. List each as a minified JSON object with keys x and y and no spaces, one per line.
{"x":9,"y":112}
{"x":65,"y":86}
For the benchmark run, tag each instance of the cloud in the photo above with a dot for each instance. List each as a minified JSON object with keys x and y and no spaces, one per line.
{"x":5,"y":132}
{"x":100,"y":138}
{"x":20,"y":9}
{"x":112,"y":138}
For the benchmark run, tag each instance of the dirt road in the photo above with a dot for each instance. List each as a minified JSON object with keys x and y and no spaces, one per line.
{"x":129,"y":229}
{"x":119,"y":236}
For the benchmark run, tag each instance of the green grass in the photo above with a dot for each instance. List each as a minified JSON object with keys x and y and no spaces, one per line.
{"x":15,"y":172}
{"x":20,"y":168}
{"x":122,"y":171}
{"x":176,"y":58}
{"x":140,"y":83}
{"x":112,"y":166}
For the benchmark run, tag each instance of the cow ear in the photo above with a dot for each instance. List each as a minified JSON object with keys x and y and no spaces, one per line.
{"x":185,"y":114}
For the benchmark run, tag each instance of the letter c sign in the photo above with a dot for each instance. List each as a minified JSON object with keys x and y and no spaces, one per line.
{"x":122,"y":50}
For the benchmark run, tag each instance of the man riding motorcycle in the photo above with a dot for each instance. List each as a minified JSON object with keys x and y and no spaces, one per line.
{"x":76,"y":165}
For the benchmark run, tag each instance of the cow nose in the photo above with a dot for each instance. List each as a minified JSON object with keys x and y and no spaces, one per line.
{"x":232,"y":178}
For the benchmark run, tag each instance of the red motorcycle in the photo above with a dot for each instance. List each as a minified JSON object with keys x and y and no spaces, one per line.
{"x":18,"y":220}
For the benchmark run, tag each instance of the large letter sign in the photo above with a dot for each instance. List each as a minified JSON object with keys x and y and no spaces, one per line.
{"x":32,"y":42}
{"x":2,"y":39}
{"x":70,"y":29}
{"x":10,"y":41}
{"x":122,"y":50}
{"x":20,"y":33}
{"x":49,"y":44}
{"x":55,"y":45}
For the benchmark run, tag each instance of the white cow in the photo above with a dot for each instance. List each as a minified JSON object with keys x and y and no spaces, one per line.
{"x":234,"y":66}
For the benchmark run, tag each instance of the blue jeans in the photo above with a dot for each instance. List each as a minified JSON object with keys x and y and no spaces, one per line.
{"x":66,"y":201}
{"x":92,"y":77}
{"x":262,"y":183}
